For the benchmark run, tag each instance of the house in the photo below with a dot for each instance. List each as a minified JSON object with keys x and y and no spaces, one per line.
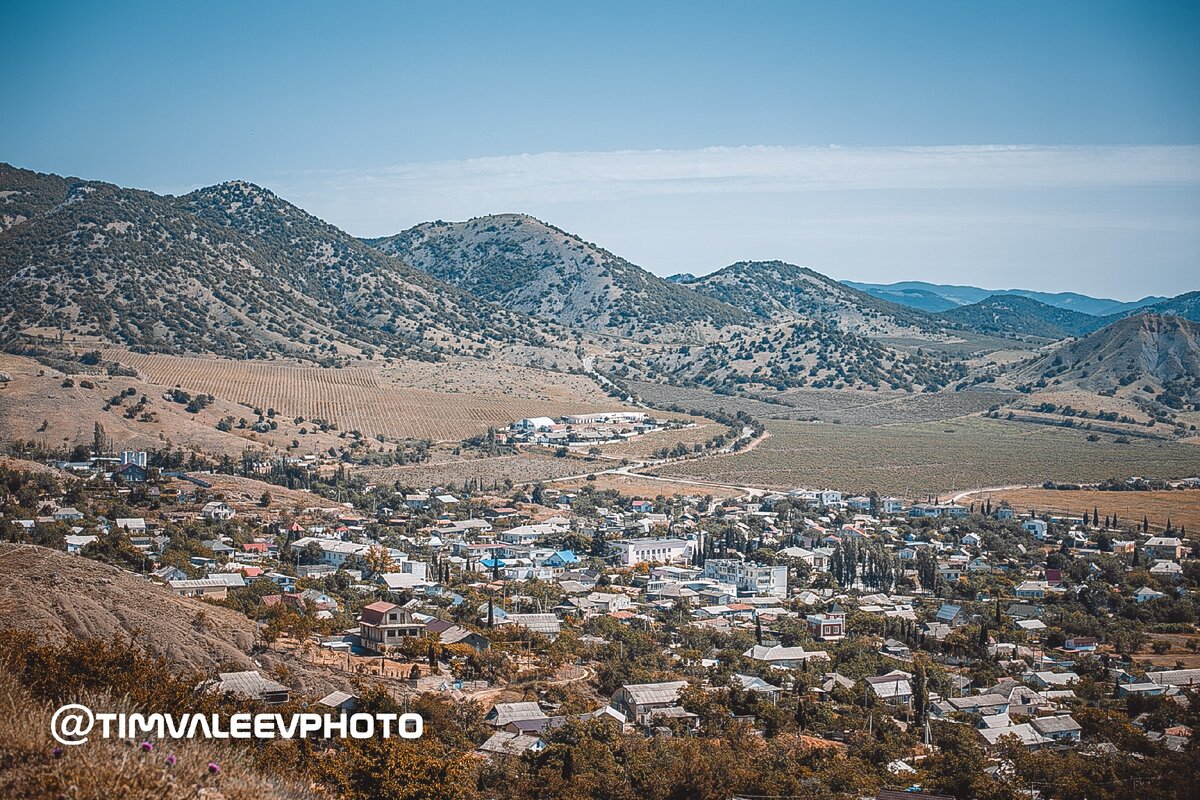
{"x":1167,"y":570}
{"x":982,"y":704}
{"x":502,"y":714}
{"x":827,"y":626}
{"x":339,"y":701}
{"x":67,"y":514}
{"x":252,"y":685}
{"x":533,"y":425}
{"x":950,"y":572}
{"x":952,"y":615}
{"x":76,"y":543}
{"x":544,"y":624}
{"x":1061,"y":728}
{"x":1023,"y":611}
{"x":1169,"y":548}
{"x":1175,"y":677}
{"x":1146,"y":594}
{"x":334,"y":552}
{"x":638,"y":701}
{"x":212,"y":588}
{"x":631,"y":552}
{"x":506,"y":743}
{"x":972,"y":539}
{"x":608,"y":602}
{"x":748,"y":577}
{"x":131,"y":473}
{"x":894,"y":688}
{"x":1026,"y":590}
{"x":169,"y":573}
{"x":218,"y":511}
{"x":904,"y":794}
{"x":1081,"y":644}
{"x":1028,"y":737}
{"x":783,"y":657}
{"x":1036,"y":527}
{"x":896,"y":649}
{"x":456,"y":634}
{"x":755,"y":684}
{"x":562,"y":559}
{"x":382,"y":625}
{"x":1053,"y":680}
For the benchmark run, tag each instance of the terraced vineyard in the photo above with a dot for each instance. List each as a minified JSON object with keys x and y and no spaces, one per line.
{"x":850,"y":407}
{"x":356,"y":398}
{"x":935,"y":458}
{"x":486,"y":472}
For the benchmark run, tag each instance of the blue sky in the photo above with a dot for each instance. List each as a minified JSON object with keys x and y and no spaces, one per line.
{"x":856,"y":138}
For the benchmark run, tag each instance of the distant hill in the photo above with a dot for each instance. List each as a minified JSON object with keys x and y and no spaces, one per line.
{"x":230,"y":269}
{"x":682,"y":277}
{"x":775,"y":290}
{"x":1184,"y":305}
{"x":1015,"y":315}
{"x":942,"y":297}
{"x":1153,"y":356}
{"x":530,"y":266}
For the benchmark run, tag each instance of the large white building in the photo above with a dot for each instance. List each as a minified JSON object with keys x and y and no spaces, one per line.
{"x":652,"y":551}
{"x":610,"y":417}
{"x":747,"y":577}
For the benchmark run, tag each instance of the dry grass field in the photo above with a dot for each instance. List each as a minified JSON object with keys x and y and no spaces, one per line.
{"x":38,"y":405}
{"x":443,"y":402}
{"x":936,"y":458}
{"x":1181,"y":506}
{"x":521,"y":468}
{"x":857,"y":407}
{"x":639,"y":486}
{"x":1179,"y":654}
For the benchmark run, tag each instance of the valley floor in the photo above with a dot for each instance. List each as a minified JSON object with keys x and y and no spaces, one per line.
{"x":933,"y":458}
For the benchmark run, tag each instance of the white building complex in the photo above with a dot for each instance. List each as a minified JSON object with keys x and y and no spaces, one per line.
{"x":652,"y":551}
{"x":748,"y":578}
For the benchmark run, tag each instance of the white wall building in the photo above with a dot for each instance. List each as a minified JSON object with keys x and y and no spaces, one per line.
{"x":644,"y":551}
{"x":749,"y":578}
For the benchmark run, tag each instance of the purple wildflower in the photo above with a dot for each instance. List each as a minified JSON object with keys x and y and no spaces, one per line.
{"x":214,"y":768}
{"x":57,"y":752}
{"x":171,"y":760}
{"x":146,"y":746}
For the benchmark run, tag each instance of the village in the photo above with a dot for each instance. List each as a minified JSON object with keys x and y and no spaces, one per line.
{"x":680,"y":615}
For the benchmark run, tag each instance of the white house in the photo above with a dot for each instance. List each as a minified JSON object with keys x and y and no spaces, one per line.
{"x":747,"y":577}
{"x":217,"y":510}
{"x":1035,"y":526}
{"x":533,"y":424}
{"x":643,"y":551}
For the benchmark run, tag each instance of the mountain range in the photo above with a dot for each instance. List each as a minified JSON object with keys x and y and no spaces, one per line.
{"x":935,"y":297}
{"x":235,"y":270}
{"x":527,"y":265}
{"x":230,"y":269}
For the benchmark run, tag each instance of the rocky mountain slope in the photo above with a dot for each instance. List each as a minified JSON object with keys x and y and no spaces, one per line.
{"x":53,"y":594}
{"x":530,"y":266}
{"x":229,"y":269}
{"x":779,"y":291}
{"x":1148,"y":357}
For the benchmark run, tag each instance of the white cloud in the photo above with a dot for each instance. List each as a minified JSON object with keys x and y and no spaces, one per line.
{"x":517,"y":180}
{"x":1033,"y":215}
